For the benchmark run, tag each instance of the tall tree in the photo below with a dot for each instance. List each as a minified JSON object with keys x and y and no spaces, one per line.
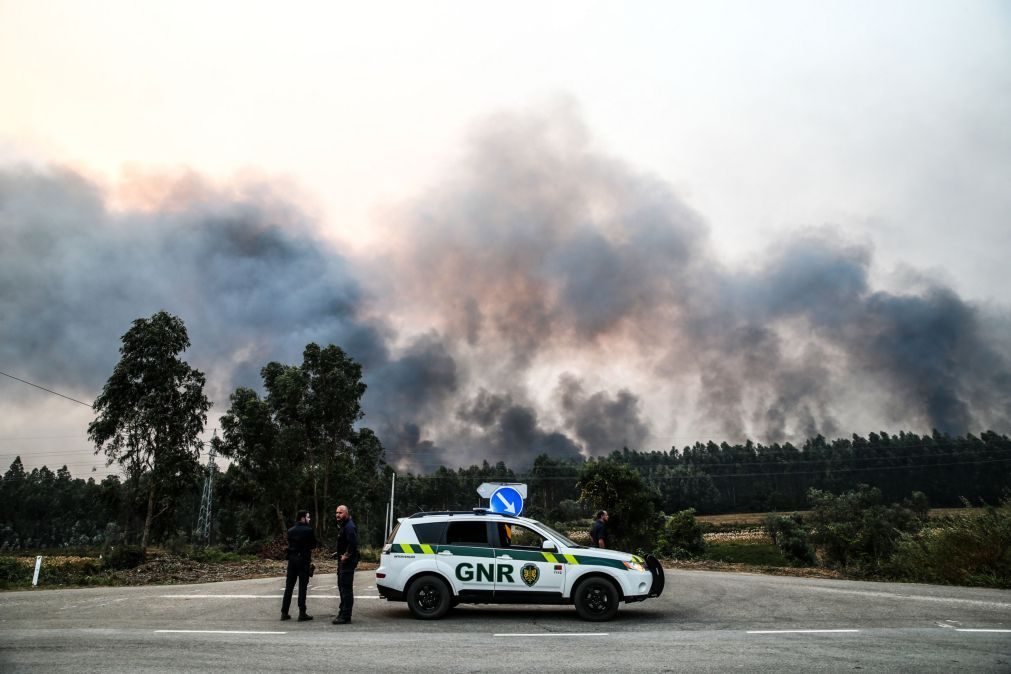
{"x":152,"y":409}
{"x":332,"y":405}
{"x":303,"y":431}
{"x":610,"y":484}
{"x":251,"y":435}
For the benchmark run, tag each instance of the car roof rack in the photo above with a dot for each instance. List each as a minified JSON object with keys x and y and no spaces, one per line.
{"x":451,"y":513}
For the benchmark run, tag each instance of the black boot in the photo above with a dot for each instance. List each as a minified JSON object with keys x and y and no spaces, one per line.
{"x":302,"y":617}
{"x":340,"y":620}
{"x":285,"y":616}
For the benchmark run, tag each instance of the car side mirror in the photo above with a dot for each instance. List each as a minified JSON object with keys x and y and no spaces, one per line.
{"x":548,"y":545}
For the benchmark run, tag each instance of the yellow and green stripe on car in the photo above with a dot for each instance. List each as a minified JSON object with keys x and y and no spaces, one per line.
{"x":516,"y":555}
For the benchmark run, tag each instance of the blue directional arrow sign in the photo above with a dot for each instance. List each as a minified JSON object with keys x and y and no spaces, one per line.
{"x":506,"y":500}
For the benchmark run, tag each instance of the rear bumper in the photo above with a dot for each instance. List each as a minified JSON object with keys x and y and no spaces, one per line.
{"x":389,"y":593}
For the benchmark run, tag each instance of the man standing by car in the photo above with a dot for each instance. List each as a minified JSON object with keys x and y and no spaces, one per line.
{"x":347,"y":560}
{"x":598,"y":533}
{"x":301,"y":541}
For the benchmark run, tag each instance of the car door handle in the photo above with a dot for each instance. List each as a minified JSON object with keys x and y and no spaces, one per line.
{"x":504,"y":557}
{"x":446,"y":552}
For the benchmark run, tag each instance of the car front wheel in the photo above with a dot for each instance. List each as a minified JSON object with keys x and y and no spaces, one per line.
{"x":429,"y":598}
{"x":596,"y":600}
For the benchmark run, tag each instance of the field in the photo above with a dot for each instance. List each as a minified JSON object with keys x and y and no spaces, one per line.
{"x":745,"y":520}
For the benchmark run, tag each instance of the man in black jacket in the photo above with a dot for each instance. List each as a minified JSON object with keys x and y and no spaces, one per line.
{"x":301,"y":542}
{"x":347,"y":560}
{"x":598,"y":532}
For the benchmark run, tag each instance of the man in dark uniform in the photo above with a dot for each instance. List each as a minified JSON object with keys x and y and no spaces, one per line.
{"x":301,"y":542}
{"x":598,"y":533}
{"x":347,"y":560}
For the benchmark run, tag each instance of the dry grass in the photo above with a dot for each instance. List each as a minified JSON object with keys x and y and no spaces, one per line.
{"x":750,"y":520}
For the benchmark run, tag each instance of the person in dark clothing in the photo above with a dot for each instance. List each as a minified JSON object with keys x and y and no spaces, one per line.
{"x":598,"y":533}
{"x":301,"y":542}
{"x":347,"y":560}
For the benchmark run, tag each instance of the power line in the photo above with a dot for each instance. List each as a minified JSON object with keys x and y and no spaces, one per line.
{"x":664,"y":478}
{"x":824,"y":453}
{"x":47,"y":390}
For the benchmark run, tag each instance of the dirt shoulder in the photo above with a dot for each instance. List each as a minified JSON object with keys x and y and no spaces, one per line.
{"x":169,"y":569}
{"x":709,"y":565}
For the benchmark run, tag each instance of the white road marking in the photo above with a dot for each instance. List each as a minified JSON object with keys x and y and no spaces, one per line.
{"x":959,"y":629}
{"x":212,"y":632}
{"x":554,"y":634}
{"x":797,"y":631}
{"x":258,"y":596}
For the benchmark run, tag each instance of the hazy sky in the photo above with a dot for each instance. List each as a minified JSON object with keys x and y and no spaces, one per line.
{"x":546,"y":158}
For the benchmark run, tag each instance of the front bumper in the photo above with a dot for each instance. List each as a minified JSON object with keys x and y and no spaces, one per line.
{"x":659,"y":580}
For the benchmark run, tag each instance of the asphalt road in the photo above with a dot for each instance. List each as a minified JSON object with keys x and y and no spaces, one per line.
{"x":705,"y":621}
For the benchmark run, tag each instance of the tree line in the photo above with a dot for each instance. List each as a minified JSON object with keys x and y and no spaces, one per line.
{"x":300,"y":444}
{"x":750,"y":477}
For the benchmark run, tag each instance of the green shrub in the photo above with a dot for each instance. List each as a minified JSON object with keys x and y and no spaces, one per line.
{"x":788,"y":534}
{"x":745,"y":552}
{"x":369,"y":553}
{"x":15,"y":572}
{"x":681,"y":536}
{"x":960,"y":550}
{"x":856,"y":532}
{"x":124,"y":557}
{"x":80,"y":571}
{"x":212,"y":555}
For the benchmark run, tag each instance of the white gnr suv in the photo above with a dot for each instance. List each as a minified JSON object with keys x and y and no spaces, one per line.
{"x":434,"y":561}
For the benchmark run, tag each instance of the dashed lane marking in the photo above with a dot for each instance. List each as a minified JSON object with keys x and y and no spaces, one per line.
{"x":960,"y":629}
{"x":553,"y":634}
{"x":799,"y":631}
{"x":213,"y":632}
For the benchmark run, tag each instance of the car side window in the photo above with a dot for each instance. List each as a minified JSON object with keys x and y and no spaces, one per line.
{"x":430,"y":532}
{"x":467,"y":533}
{"x":518,"y":536}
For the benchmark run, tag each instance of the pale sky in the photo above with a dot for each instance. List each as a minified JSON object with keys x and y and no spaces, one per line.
{"x":887,"y":122}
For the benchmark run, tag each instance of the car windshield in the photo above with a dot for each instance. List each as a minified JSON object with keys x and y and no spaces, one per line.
{"x":565,"y":540}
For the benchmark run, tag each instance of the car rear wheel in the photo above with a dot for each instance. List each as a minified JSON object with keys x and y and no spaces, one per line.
{"x":596,"y":600}
{"x":429,"y":598}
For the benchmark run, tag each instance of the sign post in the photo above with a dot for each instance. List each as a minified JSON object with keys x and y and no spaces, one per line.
{"x":38,"y":567}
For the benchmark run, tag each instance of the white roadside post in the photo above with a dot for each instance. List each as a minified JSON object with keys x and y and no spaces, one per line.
{"x":38,"y":567}
{"x":393,"y":485}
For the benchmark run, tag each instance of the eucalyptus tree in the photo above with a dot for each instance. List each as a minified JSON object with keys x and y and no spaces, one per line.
{"x":252,"y":436}
{"x":331,"y":405}
{"x":152,"y":410}
{"x":301,"y":436}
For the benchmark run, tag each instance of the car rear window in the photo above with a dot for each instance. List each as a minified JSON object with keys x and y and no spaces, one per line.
{"x":467,"y":533}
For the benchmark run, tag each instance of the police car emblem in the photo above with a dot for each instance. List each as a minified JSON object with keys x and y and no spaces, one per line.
{"x":530,"y":574}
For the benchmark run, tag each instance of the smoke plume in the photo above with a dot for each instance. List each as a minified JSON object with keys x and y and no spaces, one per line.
{"x":543,"y":298}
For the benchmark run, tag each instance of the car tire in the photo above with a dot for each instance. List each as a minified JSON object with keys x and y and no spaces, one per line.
{"x":596,"y":600}
{"x":429,"y":597}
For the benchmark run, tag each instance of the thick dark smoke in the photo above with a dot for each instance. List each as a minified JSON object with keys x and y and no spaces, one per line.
{"x":555,"y":301}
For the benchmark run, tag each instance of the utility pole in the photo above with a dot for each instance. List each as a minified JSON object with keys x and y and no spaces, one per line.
{"x":207,"y":500}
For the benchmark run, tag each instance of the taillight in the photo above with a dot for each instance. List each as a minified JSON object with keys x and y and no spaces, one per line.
{"x":380,"y":575}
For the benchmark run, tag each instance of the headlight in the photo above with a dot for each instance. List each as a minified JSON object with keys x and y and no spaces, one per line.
{"x":633,"y":566}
